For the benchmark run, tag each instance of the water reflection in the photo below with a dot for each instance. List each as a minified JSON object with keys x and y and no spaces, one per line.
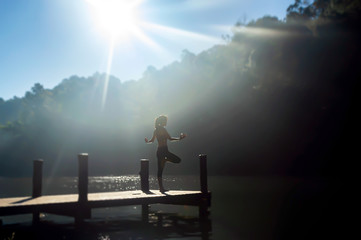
{"x":160,"y":225}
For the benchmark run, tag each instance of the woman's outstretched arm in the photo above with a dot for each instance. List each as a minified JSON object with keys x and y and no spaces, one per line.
{"x":175,"y":138}
{"x":151,"y":140}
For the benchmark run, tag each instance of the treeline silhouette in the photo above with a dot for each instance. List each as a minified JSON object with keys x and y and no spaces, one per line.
{"x":278,"y":97}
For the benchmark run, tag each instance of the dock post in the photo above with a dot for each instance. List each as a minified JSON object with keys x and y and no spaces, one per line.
{"x":203,"y":173}
{"x":83,"y":177}
{"x":37,"y":177}
{"x":144,"y":175}
{"x":37,"y":185}
{"x":205,"y":200}
{"x":82,"y":212}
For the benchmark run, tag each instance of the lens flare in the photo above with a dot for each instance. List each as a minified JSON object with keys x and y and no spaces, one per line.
{"x":117,"y":18}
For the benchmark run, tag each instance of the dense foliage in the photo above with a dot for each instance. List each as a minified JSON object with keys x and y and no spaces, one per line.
{"x":278,"y":97}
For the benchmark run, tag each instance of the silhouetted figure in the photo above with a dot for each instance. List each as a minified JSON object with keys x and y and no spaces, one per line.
{"x":163,"y":154}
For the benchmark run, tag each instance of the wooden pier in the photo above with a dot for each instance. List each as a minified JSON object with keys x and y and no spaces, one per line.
{"x":79,"y":205}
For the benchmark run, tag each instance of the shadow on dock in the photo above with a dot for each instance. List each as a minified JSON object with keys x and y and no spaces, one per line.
{"x":23,"y":200}
{"x":161,"y":225}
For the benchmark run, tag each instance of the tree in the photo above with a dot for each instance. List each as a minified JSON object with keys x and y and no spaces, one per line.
{"x":327,"y":9}
{"x":301,"y":11}
{"x":37,"y":89}
{"x":149,"y":71}
{"x":266,"y":22}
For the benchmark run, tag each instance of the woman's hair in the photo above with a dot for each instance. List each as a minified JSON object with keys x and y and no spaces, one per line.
{"x":160,"y":121}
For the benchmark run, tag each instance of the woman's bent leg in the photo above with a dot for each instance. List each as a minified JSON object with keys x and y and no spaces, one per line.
{"x":164,"y":155}
{"x":171,"y":157}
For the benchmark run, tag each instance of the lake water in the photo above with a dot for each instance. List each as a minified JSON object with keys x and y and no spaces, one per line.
{"x":242,"y":208}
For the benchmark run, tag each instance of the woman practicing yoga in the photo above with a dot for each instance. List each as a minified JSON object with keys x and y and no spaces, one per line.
{"x":163,"y":154}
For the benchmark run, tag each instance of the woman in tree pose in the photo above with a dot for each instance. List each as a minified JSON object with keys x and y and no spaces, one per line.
{"x":163,"y":154}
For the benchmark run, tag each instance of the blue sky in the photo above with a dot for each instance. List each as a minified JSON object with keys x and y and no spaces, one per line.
{"x":46,"y":41}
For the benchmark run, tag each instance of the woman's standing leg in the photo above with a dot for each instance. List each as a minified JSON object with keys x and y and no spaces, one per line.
{"x":161,"y":163}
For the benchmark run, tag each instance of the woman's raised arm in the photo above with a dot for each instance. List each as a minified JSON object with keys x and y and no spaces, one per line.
{"x":182,"y":135}
{"x":151,"y":140}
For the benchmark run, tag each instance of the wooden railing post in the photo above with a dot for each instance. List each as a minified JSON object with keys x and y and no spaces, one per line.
{"x":83,"y":177}
{"x":144,"y":175}
{"x":206,"y":198}
{"x":203,"y":173}
{"x":37,"y":177}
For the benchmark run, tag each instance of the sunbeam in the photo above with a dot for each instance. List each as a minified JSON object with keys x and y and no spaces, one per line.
{"x":178,"y":32}
{"x":266,"y":32}
{"x":145,"y":39}
{"x":255,"y":31}
{"x":109,"y":66}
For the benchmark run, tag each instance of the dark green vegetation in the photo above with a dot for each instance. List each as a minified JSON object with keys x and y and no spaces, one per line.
{"x":279,"y":97}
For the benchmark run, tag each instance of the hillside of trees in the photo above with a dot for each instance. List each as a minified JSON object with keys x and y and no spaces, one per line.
{"x":278,"y":97}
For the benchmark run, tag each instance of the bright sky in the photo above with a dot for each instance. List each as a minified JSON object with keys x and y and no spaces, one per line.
{"x":46,"y":41}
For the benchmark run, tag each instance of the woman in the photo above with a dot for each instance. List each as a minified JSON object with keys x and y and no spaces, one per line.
{"x":163,"y":154}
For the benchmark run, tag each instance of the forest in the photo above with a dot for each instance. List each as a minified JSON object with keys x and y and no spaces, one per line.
{"x":278,"y":97}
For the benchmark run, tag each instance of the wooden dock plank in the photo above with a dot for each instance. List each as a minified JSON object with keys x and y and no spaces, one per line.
{"x":19,"y":205}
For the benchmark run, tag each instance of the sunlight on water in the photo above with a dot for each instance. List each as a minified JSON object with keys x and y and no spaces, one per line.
{"x":114,"y":183}
{"x":69,"y":185}
{"x":132,"y":182}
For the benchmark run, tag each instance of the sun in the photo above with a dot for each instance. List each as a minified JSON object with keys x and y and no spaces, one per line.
{"x":116,"y":18}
